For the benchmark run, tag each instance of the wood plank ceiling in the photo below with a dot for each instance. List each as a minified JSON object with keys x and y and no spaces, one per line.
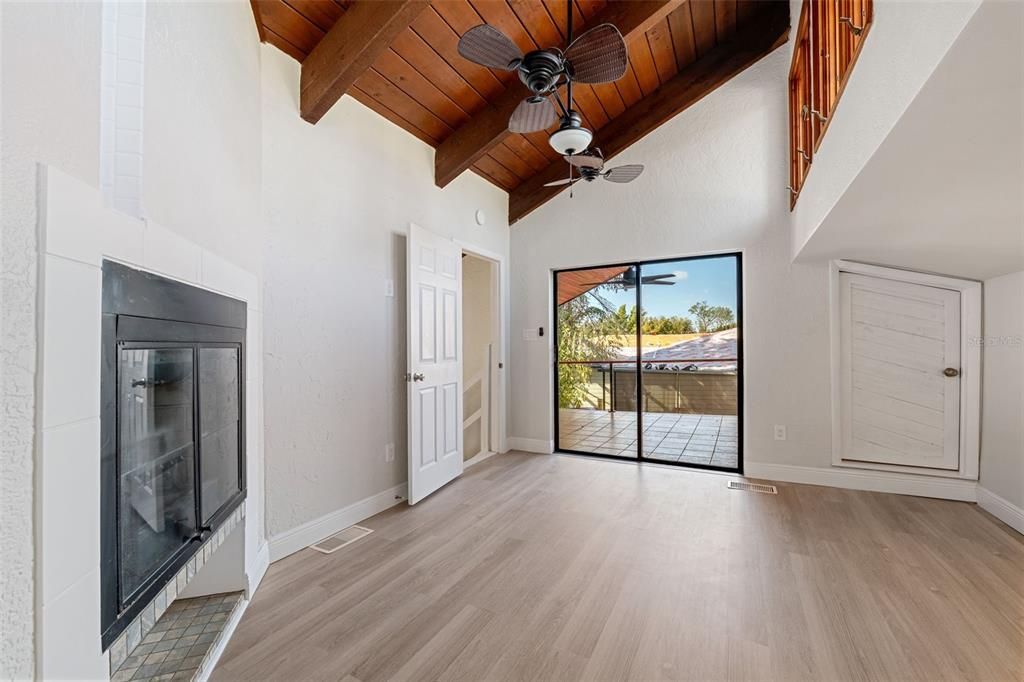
{"x":419,"y":81}
{"x":573,"y":283}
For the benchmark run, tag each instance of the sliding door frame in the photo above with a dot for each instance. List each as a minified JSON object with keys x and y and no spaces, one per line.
{"x":740,"y":363}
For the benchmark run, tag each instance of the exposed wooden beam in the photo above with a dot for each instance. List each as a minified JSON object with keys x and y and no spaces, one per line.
{"x":355,"y":41}
{"x":490,"y":126}
{"x":762,"y":34}
{"x":259,"y":20}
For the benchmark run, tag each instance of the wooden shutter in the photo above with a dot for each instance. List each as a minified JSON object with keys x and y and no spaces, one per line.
{"x":824,"y":33}
{"x":853,"y":18}
{"x":829,"y":37}
{"x":800,"y":91}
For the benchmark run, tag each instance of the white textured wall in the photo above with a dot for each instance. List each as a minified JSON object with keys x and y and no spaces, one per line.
{"x":202,"y":166}
{"x":202,"y":141}
{"x":1002,"y":422}
{"x":338,"y":198}
{"x":714,"y":181}
{"x":56,"y":124}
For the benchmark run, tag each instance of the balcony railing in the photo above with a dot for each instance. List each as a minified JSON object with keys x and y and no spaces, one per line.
{"x":676,"y":386}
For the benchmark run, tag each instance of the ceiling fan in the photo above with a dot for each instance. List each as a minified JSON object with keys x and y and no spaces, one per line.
{"x":596,"y":56}
{"x":627,"y":279}
{"x":591,"y":167}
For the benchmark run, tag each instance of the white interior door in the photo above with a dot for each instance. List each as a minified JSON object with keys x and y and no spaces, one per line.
{"x":900,"y":372}
{"x":434,"y":267}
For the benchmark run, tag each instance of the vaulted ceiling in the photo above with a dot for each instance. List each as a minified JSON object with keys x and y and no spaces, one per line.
{"x":400,"y":58}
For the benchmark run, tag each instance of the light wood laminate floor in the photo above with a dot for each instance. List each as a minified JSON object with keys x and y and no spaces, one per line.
{"x":534,"y":567}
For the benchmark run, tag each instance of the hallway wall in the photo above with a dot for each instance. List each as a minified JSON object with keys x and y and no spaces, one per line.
{"x":478,"y":327}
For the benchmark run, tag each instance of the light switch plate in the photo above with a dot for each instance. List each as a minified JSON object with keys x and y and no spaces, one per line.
{"x":389,"y":288}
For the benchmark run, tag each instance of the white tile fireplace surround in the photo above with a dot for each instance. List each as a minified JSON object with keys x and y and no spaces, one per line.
{"x":76,"y":233}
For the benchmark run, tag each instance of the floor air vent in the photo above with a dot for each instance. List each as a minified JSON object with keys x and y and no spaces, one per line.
{"x":753,"y":487}
{"x":342,"y":539}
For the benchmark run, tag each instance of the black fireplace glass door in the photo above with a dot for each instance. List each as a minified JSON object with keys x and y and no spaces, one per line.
{"x":157,"y":459}
{"x":220,"y":421}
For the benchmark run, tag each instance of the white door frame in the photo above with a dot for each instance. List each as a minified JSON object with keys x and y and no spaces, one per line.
{"x":499,"y":383}
{"x":970,"y":364}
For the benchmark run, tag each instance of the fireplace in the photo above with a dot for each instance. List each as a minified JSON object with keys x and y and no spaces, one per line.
{"x":172,"y":431}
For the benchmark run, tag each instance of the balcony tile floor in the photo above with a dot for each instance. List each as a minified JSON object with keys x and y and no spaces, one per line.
{"x":667,"y":437}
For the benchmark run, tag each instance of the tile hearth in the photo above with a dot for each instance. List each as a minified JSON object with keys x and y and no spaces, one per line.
{"x":179,"y":645}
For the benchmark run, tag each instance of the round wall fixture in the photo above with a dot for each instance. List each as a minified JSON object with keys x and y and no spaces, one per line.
{"x":481,"y":218}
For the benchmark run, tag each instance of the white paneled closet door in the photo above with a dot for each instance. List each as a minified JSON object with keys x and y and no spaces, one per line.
{"x":434,"y":268}
{"x":900,"y":373}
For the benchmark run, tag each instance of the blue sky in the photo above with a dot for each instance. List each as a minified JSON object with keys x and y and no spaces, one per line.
{"x":706,"y":279}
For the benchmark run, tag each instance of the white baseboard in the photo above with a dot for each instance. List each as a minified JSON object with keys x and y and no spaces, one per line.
{"x":259,"y":567}
{"x":859,"y":479}
{"x":477,"y":458}
{"x":531,"y":445}
{"x":300,"y":537}
{"x":1002,"y":509}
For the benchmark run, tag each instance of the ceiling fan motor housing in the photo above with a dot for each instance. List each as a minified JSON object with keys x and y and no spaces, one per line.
{"x":539,"y":70}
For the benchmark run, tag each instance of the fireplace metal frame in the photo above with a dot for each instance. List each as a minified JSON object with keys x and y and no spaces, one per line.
{"x":141,"y":309}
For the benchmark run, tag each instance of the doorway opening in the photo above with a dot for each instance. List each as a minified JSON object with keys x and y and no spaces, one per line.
{"x":480,"y":336}
{"x":649,"y":361}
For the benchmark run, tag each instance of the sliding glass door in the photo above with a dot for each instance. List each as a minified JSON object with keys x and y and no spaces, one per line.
{"x":648,"y":361}
{"x":596,"y":344}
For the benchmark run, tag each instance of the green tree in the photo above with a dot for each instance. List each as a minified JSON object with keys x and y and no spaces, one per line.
{"x":712,"y":318}
{"x":622,"y":320}
{"x":584,"y":325}
{"x":668,"y":325}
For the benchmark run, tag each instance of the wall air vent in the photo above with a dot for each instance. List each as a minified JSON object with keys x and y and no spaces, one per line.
{"x":342,"y":539}
{"x":753,"y":487}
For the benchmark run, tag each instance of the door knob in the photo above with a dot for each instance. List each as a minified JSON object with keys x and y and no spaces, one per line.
{"x":951,"y":372}
{"x":418,"y":376}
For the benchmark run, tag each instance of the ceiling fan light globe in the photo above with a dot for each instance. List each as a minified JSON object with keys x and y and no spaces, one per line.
{"x":570,"y":140}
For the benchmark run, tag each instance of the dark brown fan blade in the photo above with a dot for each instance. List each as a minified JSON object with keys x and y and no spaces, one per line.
{"x":563,"y":181}
{"x":532,"y":116}
{"x":488,"y":46}
{"x":627,"y":173}
{"x":584,"y":161}
{"x":597,"y":56}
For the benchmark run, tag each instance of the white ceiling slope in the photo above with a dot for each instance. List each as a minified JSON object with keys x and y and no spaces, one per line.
{"x":944,"y":192}
{"x":906,"y":43}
